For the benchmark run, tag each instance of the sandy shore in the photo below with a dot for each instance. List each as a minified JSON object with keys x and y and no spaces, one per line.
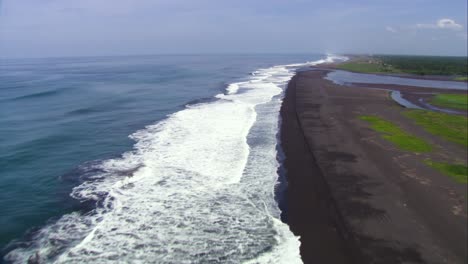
{"x":353,"y":197}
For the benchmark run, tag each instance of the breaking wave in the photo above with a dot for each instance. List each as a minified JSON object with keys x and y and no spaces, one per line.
{"x":198,"y":187}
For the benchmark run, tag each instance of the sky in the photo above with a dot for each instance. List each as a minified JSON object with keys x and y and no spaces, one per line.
{"x":52,"y":28}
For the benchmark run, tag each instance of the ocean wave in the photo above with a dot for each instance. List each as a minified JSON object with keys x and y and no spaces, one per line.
{"x":198,"y":187}
{"x":37,"y":95}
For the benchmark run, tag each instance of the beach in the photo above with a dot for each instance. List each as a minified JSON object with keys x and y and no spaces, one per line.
{"x":225,"y":160}
{"x":352,"y":196}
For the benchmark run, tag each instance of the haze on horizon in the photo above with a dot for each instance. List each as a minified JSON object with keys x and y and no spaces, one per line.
{"x":49,"y":28}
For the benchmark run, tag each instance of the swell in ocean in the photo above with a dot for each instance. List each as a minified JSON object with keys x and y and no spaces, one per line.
{"x":198,"y":187}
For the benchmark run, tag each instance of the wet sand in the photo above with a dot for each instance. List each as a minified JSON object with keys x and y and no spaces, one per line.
{"x":353,"y":197}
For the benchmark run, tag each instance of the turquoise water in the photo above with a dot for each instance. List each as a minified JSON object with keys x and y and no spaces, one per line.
{"x":60,"y":116}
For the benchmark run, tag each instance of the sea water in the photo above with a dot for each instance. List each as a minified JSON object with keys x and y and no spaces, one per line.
{"x":144,"y":159}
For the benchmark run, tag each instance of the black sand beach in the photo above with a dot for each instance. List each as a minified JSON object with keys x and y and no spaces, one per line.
{"x":353,"y":197}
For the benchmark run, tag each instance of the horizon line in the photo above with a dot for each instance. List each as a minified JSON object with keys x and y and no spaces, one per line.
{"x":228,"y":53}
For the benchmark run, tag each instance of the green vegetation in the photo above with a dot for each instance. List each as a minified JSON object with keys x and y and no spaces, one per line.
{"x":450,"y":127}
{"x":396,"y":135}
{"x":457,"y":101}
{"x":420,"y":65}
{"x":462,"y":78}
{"x":428,"y":65}
{"x":366,"y":66}
{"x":458,"y":172}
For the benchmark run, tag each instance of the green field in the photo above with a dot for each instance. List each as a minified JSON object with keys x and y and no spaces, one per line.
{"x":463,"y":78}
{"x":453,"y":128}
{"x":396,"y":135}
{"x":420,"y":65}
{"x":457,"y":101}
{"x":458,"y":172}
{"x":427,"y":65}
{"x":374,"y":67}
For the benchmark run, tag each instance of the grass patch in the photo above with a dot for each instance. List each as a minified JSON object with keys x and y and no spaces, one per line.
{"x":453,"y":128}
{"x":396,"y":135}
{"x":420,"y":65}
{"x":458,"y":172}
{"x":462,"y":78}
{"x":366,"y":67}
{"x":457,"y":101}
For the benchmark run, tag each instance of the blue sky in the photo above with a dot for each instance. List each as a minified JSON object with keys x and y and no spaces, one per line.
{"x":43,"y":28}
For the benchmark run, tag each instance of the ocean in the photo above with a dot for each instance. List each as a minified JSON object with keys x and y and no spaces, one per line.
{"x":161,"y":159}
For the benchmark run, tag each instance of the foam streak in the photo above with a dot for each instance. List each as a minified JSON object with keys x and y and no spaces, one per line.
{"x":198,"y":187}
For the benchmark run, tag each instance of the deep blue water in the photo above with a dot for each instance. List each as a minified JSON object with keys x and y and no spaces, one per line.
{"x":60,"y":113}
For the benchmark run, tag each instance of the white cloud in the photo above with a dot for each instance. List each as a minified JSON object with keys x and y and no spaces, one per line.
{"x":391,"y":29}
{"x":448,"y":23}
{"x":444,"y":23}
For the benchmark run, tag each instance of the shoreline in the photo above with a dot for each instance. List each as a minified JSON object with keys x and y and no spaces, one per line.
{"x":319,"y":216}
{"x":354,"y":201}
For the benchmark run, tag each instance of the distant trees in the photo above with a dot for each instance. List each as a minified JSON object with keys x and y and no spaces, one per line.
{"x":427,"y":65}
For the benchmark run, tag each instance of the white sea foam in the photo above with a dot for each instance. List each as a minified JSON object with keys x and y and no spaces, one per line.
{"x":232,"y":88}
{"x":197,"y":188}
{"x":329,"y":59}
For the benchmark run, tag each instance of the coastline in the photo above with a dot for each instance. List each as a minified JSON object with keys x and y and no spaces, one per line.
{"x":311,"y":212}
{"x":197,"y":186}
{"x":350,"y":198}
